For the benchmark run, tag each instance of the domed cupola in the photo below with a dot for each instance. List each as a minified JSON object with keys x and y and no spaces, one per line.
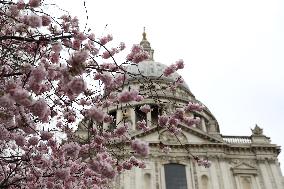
{"x":147,"y":46}
{"x":147,"y":77}
{"x":151,"y":70}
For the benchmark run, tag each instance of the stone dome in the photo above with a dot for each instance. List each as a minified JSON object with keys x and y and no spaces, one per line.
{"x":151,"y":70}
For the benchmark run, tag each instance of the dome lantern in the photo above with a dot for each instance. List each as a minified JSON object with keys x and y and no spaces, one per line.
{"x":146,"y":45}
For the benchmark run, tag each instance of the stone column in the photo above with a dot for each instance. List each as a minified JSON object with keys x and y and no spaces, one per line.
{"x":214,"y":174}
{"x":203,"y":125}
{"x":226,"y":174}
{"x":276,"y":174}
{"x":118,"y":116}
{"x":265,"y":175}
{"x":149,"y":119}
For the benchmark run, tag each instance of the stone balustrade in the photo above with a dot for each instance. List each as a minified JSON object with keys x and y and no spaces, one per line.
{"x":237,"y":139}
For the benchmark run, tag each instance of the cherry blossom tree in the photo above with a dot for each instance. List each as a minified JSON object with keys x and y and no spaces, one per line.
{"x":53,"y":75}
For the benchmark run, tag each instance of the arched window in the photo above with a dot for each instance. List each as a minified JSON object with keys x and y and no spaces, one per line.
{"x":175,"y":176}
{"x":204,"y":182}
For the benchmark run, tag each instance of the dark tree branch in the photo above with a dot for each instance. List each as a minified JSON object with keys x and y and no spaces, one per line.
{"x":35,"y":40}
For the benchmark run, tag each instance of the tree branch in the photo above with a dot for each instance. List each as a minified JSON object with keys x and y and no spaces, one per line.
{"x":35,"y":40}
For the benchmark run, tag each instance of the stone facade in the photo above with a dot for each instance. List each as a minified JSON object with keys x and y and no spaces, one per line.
{"x":238,"y":162}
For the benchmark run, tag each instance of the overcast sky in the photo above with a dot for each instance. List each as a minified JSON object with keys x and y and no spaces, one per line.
{"x":233,"y":51}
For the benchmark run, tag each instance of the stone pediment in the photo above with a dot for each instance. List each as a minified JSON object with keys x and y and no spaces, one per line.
{"x":244,"y":168}
{"x":187,"y":136}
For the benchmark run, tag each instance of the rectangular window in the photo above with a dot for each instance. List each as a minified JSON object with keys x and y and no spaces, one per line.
{"x":175,"y":176}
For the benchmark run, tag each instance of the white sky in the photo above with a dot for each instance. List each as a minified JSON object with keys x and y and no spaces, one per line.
{"x":233,"y":50}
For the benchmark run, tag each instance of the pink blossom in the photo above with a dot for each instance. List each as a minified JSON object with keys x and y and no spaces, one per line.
{"x":96,"y":114}
{"x":55,"y":57}
{"x":109,"y":66}
{"x":137,"y":54}
{"x":40,"y":109}
{"x":76,"y":44}
{"x":34,"y":21}
{"x":108,"y":119}
{"x":21,"y":4}
{"x":174,"y":130}
{"x":46,"y":20}
{"x":71,"y":149}
{"x":6,"y":101}
{"x":145,"y":108}
{"x":92,"y":36}
{"x":38,"y":74}
{"x":49,"y":185}
{"x":99,"y":140}
{"x":57,"y":47}
{"x":190,"y":121}
{"x":106,"y":39}
{"x":63,"y":173}
{"x":127,"y":96}
{"x":173,"y":121}
{"x":4,"y":134}
{"x":127,"y":165}
{"x":34,"y":3}
{"x":80,"y":36}
{"x":163,"y":120}
{"x":35,"y":87}
{"x":108,"y":171}
{"x":179,"y":113}
{"x":142,"y":165}
{"x":202,"y":162}
{"x":120,"y":131}
{"x":141,"y":125}
{"x":46,"y":135}
{"x":106,"y":78}
{"x":88,"y":172}
{"x":14,"y":11}
{"x":169,"y":70}
{"x":21,"y":96}
{"x":67,"y":42}
{"x":20,"y":140}
{"x":179,"y":64}
{"x":139,"y":98}
{"x":78,"y":58}
{"x":140,"y":147}
{"x":122,"y":46}
{"x":110,"y":53}
{"x":193,"y":107}
{"x":33,"y":141}
{"x":77,"y":85}
{"x":107,"y":103}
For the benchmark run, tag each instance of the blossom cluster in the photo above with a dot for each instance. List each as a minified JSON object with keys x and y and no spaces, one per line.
{"x":173,"y":68}
{"x":137,"y":54}
{"x":53,"y":75}
{"x":128,"y":96}
{"x":171,"y":121}
{"x":202,"y":162}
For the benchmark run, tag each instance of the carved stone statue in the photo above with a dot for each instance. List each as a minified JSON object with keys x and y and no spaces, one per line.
{"x":257,"y":130}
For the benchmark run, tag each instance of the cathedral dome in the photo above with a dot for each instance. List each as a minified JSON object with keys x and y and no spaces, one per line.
{"x":152,"y":70}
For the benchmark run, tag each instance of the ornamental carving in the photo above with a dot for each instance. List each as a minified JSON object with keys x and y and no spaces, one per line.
{"x":250,"y":162}
{"x":168,"y":138}
{"x":257,"y":130}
